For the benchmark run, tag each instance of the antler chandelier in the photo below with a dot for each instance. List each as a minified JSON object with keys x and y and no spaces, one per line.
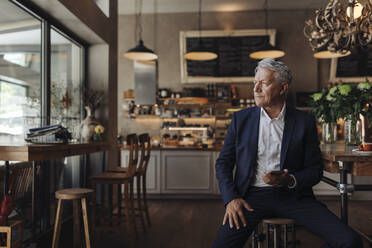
{"x":343,"y":25}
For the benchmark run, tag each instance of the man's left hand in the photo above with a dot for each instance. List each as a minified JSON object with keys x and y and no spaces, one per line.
{"x":274,"y":179}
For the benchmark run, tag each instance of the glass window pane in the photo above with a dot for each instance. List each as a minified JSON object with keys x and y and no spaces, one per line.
{"x":20,"y":78}
{"x":66,"y":82}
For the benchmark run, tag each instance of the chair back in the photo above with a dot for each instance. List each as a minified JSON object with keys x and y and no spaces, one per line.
{"x":144,"y":140}
{"x":132,"y":142}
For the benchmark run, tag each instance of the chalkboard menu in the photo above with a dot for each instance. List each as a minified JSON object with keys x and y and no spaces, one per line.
{"x":233,"y":56}
{"x":233,"y":63}
{"x":353,"y":68}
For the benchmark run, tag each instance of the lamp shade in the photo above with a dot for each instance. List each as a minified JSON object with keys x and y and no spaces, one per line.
{"x":325,"y":54}
{"x":268,"y":51}
{"x":200,"y":55}
{"x":140,"y":52}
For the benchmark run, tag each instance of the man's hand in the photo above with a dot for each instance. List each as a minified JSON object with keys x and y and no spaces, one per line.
{"x":234,"y":209}
{"x":274,"y":179}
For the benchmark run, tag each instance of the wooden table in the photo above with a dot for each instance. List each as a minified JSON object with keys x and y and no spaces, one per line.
{"x":36,"y":153}
{"x":339,"y":158}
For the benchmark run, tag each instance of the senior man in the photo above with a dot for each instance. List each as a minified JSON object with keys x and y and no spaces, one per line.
{"x":275,"y":151}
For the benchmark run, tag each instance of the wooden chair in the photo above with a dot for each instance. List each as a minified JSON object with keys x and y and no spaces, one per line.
{"x":141,"y":175}
{"x":74,"y":194}
{"x":125,"y":178}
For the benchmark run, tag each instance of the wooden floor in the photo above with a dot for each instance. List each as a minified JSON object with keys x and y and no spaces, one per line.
{"x":194,"y":224}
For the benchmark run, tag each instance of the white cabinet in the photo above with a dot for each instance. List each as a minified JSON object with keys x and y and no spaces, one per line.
{"x":153,"y":170}
{"x":187,"y":172}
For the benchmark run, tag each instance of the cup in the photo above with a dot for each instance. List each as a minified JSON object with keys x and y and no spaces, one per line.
{"x":365,"y":147}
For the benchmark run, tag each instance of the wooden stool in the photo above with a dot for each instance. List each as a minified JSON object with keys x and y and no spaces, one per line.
{"x":73,"y":194}
{"x":275,"y":225}
{"x":8,"y":230}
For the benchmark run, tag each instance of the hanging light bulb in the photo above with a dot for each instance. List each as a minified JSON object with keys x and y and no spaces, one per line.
{"x":200,"y":53}
{"x":140,"y":52}
{"x":357,"y":10}
{"x":267,"y":51}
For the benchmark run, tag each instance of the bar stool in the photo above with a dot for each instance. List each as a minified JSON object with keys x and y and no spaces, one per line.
{"x":124,"y":178}
{"x":73,"y":194}
{"x":276,"y":229}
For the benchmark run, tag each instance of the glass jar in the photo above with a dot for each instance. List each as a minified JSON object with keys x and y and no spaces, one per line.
{"x":329,"y":132}
{"x":353,"y":131}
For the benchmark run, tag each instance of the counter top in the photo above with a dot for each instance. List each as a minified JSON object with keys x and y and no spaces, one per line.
{"x":177,"y":148}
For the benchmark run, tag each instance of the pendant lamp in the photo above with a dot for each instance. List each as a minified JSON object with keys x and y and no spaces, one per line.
{"x":140,"y":52}
{"x":200,"y":53}
{"x":267,"y":51}
{"x":325,"y":54}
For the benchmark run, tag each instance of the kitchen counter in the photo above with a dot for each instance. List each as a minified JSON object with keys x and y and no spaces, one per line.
{"x":177,"y":148}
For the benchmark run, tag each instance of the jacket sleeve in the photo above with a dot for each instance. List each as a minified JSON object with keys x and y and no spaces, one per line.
{"x":225,"y":165}
{"x":312,"y":171}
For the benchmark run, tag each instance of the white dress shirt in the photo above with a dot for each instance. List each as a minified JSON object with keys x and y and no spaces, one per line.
{"x":269,"y":145}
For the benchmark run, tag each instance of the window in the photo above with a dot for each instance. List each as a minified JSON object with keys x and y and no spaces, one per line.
{"x":66,"y":71}
{"x":22,"y":105}
{"x":20,"y":77}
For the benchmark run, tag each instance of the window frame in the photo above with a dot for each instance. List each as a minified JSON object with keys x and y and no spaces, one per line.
{"x":47,"y":23}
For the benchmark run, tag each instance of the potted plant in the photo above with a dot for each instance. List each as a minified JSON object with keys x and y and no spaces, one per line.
{"x":349,"y":101}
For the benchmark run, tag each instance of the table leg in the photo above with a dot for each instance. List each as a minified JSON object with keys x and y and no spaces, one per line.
{"x":344,"y":166}
{"x":33,"y":200}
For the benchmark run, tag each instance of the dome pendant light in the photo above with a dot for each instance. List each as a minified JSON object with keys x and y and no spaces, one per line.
{"x":267,"y":51}
{"x":200,"y":53}
{"x":140,"y":52}
{"x":325,"y":54}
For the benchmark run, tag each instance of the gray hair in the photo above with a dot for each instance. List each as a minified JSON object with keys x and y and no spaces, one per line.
{"x":281,"y":70}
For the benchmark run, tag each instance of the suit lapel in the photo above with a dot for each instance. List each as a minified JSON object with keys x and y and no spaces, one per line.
{"x":289,"y":125}
{"x":254,"y":130}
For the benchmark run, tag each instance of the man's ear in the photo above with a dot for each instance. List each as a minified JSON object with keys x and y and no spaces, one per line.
{"x":283,"y":88}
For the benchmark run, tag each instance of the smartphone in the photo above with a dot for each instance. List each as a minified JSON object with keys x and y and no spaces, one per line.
{"x":279,"y":172}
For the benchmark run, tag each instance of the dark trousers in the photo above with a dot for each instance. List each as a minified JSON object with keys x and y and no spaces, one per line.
{"x":270,"y":202}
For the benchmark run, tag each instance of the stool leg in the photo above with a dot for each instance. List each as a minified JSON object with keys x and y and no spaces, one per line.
{"x":276,"y":236}
{"x":145,"y":198}
{"x":127,"y":216}
{"x":285,"y":236}
{"x":131,"y":202}
{"x":93,"y":214}
{"x":85,"y":219}
{"x":294,"y":236}
{"x":267,"y":234}
{"x":77,"y":232}
{"x":139,"y":199}
{"x":57,"y":225}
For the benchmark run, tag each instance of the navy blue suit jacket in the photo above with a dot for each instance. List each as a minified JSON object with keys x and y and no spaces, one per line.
{"x":300,"y":153}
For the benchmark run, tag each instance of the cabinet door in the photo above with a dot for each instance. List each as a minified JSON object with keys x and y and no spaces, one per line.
{"x":187,"y":172}
{"x":153,"y":171}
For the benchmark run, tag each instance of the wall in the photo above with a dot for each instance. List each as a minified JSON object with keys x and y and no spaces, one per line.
{"x":161,"y":33}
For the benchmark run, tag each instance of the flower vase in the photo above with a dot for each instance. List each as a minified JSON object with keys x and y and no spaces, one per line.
{"x":353,"y":131}
{"x":87,"y":126}
{"x":329,"y":132}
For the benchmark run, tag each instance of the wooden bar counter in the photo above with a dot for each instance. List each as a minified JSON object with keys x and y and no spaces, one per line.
{"x":37,"y":153}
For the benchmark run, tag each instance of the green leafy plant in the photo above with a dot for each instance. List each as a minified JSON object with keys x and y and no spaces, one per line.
{"x":351,"y":100}
{"x":321,"y":106}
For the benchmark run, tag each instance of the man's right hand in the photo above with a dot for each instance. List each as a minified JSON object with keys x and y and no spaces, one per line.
{"x":234,"y":212}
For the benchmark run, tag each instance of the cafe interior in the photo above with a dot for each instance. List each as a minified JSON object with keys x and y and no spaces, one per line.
{"x":114,"y":112}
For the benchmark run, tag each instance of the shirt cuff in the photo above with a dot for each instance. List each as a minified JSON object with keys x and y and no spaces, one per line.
{"x":295,"y":182}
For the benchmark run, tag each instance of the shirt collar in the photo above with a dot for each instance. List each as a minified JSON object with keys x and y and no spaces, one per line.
{"x":280,"y":116}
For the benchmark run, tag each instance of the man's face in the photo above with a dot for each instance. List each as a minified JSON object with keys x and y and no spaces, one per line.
{"x":267,"y":92}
